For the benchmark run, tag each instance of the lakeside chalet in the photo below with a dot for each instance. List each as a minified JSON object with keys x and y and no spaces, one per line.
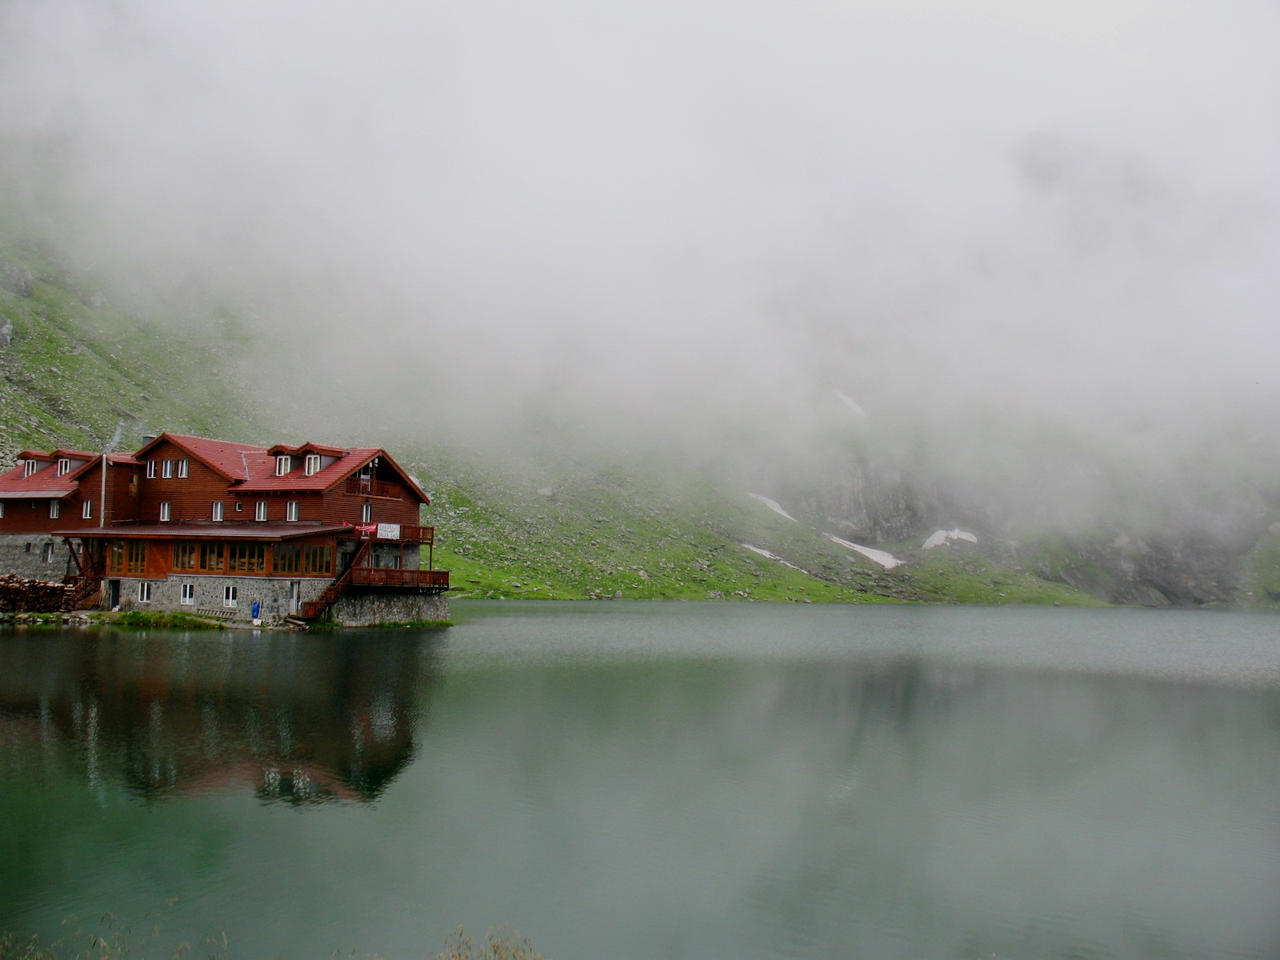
{"x":211,"y":526}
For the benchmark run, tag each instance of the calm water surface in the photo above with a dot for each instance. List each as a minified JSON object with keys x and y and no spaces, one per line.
{"x":650,"y":780}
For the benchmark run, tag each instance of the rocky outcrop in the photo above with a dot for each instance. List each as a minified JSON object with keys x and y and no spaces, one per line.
{"x":17,"y":279}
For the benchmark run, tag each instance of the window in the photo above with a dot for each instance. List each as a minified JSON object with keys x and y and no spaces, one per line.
{"x":151,"y":469}
{"x":166,"y":469}
{"x":86,"y":510}
{"x":291,"y":510}
{"x":366,"y":513}
{"x":211,"y":557}
{"x":164,"y":511}
{"x":182,"y":468}
{"x":313,"y":463}
{"x":247,"y":557}
{"x":48,"y":552}
{"x":1,"y":509}
{"x":188,"y":593}
{"x":29,"y":467}
{"x":217,"y":511}
{"x":260,"y":510}
{"x":283,"y":465}
{"x":55,"y":509}
{"x":64,"y":467}
{"x":144,"y":591}
{"x":184,"y":555}
{"x":230,"y":595}
{"x":135,"y":556}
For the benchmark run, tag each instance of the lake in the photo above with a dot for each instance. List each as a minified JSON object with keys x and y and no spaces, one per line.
{"x":649,"y":780}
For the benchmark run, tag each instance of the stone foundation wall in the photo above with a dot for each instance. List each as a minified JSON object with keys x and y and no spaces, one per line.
{"x":210,"y":595}
{"x":352,"y":609}
{"x":24,"y":554}
{"x":365,"y":609}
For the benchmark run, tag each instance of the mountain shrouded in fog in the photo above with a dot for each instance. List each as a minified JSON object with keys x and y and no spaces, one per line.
{"x":1015,"y":261}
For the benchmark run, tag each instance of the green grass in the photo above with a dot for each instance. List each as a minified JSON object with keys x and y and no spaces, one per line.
{"x":144,"y":619}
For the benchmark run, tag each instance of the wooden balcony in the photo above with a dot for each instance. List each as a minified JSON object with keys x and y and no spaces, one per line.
{"x":427,"y":580}
{"x":368,"y":487}
{"x":409,"y":533}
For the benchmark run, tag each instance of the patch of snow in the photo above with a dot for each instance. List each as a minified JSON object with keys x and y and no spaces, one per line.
{"x":852,"y":404}
{"x":773,"y":505}
{"x":940,"y":537}
{"x":882,"y":557}
{"x":769,"y":554}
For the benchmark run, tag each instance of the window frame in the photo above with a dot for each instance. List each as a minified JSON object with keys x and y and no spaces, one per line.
{"x":312,"y":464}
{"x":284,"y":463}
{"x":151,"y":469}
{"x":217,"y":511}
{"x":291,"y":511}
{"x":64,"y":466}
{"x":184,"y":466}
{"x":29,"y":467}
{"x":46,"y":552}
{"x":144,"y":591}
{"x":188,"y":596}
{"x":86,"y":510}
{"x":366,"y":513}
{"x":55,"y":509}
{"x":166,"y":511}
{"x":260,"y":511}
{"x":230,"y":595}
{"x":166,"y":469}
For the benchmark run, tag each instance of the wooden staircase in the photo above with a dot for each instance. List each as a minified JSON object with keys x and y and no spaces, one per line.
{"x":317,"y":608}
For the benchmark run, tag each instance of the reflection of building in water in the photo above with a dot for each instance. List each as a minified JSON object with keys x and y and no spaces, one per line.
{"x":328,"y":718}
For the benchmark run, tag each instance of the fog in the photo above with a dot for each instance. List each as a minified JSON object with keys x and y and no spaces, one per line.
{"x":1033,"y":242}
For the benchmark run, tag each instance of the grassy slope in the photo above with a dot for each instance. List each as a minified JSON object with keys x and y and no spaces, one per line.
{"x":78,"y":368}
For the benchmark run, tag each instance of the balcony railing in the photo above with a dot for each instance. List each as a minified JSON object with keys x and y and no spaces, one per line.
{"x":369,"y":487}
{"x":392,"y":577}
{"x":408,"y":533}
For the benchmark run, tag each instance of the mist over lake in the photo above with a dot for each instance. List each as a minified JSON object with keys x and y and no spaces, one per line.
{"x":637,"y":780}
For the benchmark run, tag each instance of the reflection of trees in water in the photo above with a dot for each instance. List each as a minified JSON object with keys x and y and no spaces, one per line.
{"x":294,"y":718}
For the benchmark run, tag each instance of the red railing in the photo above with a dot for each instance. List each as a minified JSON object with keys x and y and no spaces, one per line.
{"x":409,"y":533}
{"x":392,"y":577}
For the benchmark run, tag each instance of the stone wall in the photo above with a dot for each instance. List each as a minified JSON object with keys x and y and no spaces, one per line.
{"x":210,"y":595}
{"x":364,"y":609}
{"x":25,"y":553}
{"x":354,"y":609}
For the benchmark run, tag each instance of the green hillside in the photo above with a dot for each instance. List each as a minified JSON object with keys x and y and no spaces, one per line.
{"x":80,"y":370}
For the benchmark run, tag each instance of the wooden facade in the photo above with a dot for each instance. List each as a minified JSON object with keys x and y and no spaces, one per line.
{"x":186,"y":507}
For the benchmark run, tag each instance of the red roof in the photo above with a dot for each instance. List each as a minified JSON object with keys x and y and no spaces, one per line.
{"x":45,"y":483}
{"x":226,"y":457}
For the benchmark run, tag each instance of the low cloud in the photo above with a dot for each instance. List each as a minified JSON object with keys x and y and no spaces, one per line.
{"x":1028,"y":242}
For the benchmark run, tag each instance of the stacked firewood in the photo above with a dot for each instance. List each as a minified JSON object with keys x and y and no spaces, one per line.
{"x":21,"y":595}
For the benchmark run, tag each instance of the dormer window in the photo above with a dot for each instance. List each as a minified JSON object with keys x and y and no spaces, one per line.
{"x":284,"y":464}
{"x":312,"y":464}
{"x":64,"y":466}
{"x":29,"y":467}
